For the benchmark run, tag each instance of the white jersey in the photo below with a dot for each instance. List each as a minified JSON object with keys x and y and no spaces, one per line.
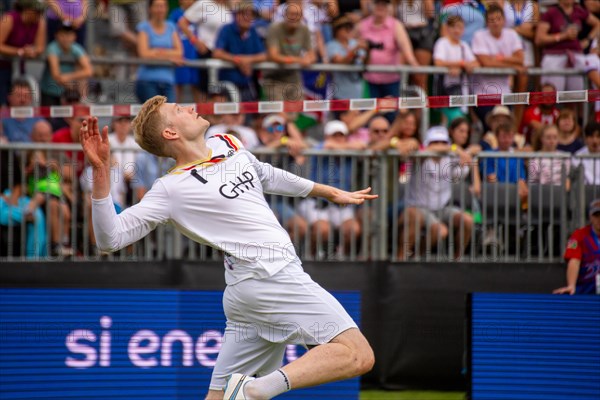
{"x":218,"y":201}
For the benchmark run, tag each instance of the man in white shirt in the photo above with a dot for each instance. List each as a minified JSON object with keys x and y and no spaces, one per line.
{"x":215,"y":196}
{"x":496,"y":47}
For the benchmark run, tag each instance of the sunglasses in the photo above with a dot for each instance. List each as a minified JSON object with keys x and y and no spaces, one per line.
{"x":377,"y":131}
{"x":276,"y":128}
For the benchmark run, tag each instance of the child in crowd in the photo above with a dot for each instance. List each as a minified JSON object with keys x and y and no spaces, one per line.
{"x":44,"y":187}
{"x":549,"y":171}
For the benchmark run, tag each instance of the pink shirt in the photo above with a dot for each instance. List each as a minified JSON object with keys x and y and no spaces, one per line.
{"x":389,"y":55}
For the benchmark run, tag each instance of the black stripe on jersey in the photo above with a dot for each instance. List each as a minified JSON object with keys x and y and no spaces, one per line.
{"x":196,"y":175}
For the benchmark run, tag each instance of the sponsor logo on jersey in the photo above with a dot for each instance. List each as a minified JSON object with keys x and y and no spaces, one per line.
{"x":240,"y":185}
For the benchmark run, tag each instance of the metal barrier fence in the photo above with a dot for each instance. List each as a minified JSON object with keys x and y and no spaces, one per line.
{"x":479,"y":220}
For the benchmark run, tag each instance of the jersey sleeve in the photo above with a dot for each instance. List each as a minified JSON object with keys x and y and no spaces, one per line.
{"x":574,"y":247}
{"x":114,"y":232}
{"x":278,"y":181}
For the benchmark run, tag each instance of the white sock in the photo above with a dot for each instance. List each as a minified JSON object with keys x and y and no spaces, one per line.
{"x":267,"y":386}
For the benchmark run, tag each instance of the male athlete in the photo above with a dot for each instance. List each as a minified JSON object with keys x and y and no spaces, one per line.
{"x":215,"y":195}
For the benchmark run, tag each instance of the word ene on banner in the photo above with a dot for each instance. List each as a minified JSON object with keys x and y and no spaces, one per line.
{"x":147,"y":349}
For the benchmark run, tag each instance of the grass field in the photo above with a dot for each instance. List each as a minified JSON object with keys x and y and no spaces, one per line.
{"x":410,"y":395}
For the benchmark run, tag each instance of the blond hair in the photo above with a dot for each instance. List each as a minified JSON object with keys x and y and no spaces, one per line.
{"x":148,"y":126}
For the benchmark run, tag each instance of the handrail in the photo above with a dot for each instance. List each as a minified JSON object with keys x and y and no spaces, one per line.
{"x":271,"y":66}
{"x":318,"y":152}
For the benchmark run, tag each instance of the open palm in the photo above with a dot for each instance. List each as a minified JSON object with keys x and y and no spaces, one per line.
{"x":342,"y":197}
{"x":95,"y":145}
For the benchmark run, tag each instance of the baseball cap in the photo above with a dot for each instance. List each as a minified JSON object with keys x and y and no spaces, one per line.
{"x":273,"y":119}
{"x":498,"y":111}
{"x":335,"y":126}
{"x":595,"y":206}
{"x":341,"y":22}
{"x":436,"y":134}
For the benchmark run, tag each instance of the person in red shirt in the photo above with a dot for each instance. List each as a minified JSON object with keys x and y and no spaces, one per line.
{"x":583,"y":256}
{"x":535,"y":117}
{"x":70,"y":163}
{"x":70,"y":134}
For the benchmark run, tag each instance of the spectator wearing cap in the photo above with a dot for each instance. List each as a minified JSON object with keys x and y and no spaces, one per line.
{"x":430,"y":192}
{"x":325,"y":218}
{"x":496,"y":47}
{"x":240,"y":44}
{"x":207,"y":17}
{"x":277,"y":133}
{"x":591,"y":166}
{"x":497,"y":116}
{"x":59,"y":75}
{"x":389,"y":44}
{"x":157,"y":40}
{"x":71,"y":12}
{"x":347,"y":51}
{"x":583,"y":256}
{"x":19,"y":129}
{"x":23,"y":35}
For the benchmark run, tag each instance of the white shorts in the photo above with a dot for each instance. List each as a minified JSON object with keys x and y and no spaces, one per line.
{"x":585,"y":62}
{"x":265,"y":315}
{"x":333,"y":213}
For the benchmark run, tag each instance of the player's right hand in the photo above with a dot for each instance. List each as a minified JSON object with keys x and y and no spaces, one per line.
{"x":565,"y":290}
{"x":95,"y":145}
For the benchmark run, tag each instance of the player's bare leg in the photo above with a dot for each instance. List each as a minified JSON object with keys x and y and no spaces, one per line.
{"x":346,"y":356}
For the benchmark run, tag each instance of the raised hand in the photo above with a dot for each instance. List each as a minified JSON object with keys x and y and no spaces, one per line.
{"x":342,"y":197}
{"x":95,"y":145}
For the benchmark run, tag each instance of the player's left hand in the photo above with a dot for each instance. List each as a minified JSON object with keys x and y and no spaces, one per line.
{"x":342,"y":197}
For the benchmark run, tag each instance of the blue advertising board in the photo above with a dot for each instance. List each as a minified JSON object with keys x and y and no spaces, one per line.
{"x":534,"y":347}
{"x":122,"y":344}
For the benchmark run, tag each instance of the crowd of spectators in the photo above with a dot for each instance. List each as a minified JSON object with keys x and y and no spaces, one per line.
{"x":458,"y":34}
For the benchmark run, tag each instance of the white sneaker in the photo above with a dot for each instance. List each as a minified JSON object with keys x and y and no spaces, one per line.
{"x":234,"y":390}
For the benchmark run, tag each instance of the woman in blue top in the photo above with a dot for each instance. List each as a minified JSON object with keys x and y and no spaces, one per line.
{"x":157,"y":40}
